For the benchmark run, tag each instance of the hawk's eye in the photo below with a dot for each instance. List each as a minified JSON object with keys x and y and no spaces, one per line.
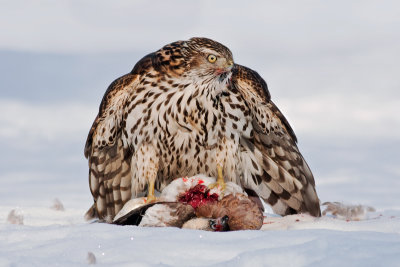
{"x":212,"y":58}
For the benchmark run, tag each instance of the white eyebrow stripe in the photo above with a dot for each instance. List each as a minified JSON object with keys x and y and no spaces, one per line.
{"x":209,"y":51}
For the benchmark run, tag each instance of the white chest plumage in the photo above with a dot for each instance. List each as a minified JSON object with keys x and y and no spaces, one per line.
{"x":190,"y":129}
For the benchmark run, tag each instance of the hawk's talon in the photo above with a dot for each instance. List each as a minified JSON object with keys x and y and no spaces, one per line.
{"x":151,"y":199}
{"x":217,"y":184}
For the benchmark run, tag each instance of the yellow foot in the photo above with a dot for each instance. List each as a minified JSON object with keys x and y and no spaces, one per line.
{"x":151,"y":199}
{"x":220,"y":180}
{"x":150,"y":195}
{"x":218,"y":184}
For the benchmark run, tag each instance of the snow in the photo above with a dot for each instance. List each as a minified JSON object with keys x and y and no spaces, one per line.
{"x":53,"y":237}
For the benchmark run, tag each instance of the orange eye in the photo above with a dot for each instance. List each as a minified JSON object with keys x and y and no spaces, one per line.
{"x":212,"y":58}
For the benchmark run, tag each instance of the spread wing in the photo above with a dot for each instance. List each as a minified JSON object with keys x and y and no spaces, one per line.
{"x":277,"y":171}
{"x":106,"y":148}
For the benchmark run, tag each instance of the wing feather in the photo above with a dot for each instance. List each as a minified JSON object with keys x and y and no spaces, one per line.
{"x":108,"y":156}
{"x":273,"y":146}
{"x":107,"y":150}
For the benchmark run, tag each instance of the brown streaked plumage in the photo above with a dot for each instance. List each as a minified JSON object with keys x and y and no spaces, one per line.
{"x":178,"y":114}
{"x":279,"y":164}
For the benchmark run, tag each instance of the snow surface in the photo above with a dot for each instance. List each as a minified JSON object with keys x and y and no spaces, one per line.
{"x":56,"y":237}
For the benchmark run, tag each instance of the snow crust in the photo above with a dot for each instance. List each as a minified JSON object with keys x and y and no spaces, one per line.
{"x":51,"y":237}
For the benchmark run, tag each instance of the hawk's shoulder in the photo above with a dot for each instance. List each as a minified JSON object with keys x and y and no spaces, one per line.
{"x":255,"y":91}
{"x":109,"y":107}
{"x":253,"y":79}
{"x":169,"y":60}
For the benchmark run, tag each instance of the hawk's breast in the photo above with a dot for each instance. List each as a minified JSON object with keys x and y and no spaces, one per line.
{"x":187,"y":127}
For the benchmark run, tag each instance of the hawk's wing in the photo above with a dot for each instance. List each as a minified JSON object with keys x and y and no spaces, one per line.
{"x":107,"y":151}
{"x":109,"y":158}
{"x":279,"y":165}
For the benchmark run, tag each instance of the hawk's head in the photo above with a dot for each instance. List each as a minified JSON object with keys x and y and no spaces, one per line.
{"x":208,"y":60}
{"x":205,"y":62}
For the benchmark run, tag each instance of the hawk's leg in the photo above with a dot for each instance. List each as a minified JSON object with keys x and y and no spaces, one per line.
{"x":226,"y":166}
{"x":150,"y":194}
{"x":220,"y":178}
{"x":147,"y":166}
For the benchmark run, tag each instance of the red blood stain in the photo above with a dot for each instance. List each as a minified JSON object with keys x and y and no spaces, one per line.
{"x":200,"y":182}
{"x":218,"y":228}
{"x":197,"y":196}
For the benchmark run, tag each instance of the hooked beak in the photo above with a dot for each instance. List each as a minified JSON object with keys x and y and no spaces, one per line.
{"x":227,"y":68}
{"x":229,"y":65}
